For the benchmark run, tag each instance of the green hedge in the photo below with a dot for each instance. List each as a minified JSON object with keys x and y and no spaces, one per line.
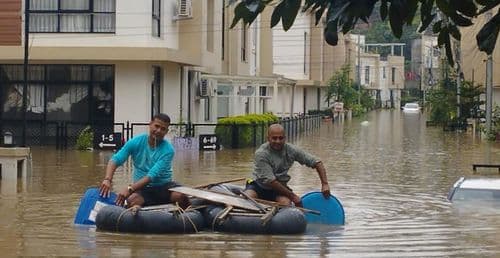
{"x":244,"y":125}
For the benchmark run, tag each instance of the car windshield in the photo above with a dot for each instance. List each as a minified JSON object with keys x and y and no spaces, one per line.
{"x":476,"y":194}
{"x":411,"y":105}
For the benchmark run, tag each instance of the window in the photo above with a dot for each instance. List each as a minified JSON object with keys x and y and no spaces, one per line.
{"x":156,"y":18}
{"x":155,"y":91}
{"x":393,"y":75}
{"x":210,"y":25}
{"x":383,"y":72}
{"x":78,"y":93}
{"x":367,"y":74}
{"x":72,"y":16}
{"x":243,"y":43}
{"x":207,"y":109}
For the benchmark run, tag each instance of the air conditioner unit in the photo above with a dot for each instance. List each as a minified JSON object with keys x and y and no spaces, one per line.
{"x":184,"y":10}
{"x":204,"y":88}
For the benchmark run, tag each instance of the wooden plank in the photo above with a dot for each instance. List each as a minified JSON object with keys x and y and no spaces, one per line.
{"x":230,"y":200}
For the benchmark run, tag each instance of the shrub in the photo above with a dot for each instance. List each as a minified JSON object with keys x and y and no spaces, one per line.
{"x":85,"y":140}
{"x":244,"y":125}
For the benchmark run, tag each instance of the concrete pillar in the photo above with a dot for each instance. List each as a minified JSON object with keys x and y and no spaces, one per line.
{"x":14,"y":163}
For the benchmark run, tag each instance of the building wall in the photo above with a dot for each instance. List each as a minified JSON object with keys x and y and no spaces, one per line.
{"x":473,"y":60}
{"x":265,"y":40}
{"x":291,"y":49}
{"x":372,"y":62}
{"x":132,"y":92}
{"x":10,"y":23}
{"x":398,"y":63}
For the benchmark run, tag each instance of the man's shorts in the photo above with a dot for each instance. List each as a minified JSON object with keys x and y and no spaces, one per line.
{"x":155,"y":195}
{"x":262,"y":193}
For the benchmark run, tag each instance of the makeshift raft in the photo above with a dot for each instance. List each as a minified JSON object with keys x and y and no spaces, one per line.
{"x":238,"y":214}
{"x":161,"y":219}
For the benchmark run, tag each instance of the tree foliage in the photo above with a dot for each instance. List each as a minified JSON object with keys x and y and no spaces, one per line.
{"x":443,"y":102}
{"x":340,"y":88}
{"x":342,"y":15}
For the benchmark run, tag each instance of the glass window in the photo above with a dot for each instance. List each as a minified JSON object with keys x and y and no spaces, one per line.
{"x":243,"y":42}
{"x":156,"y":18}
{"x":43,"y":5}
{"x":155,"y":91}
{"x":102,"y":101}
{"x":103,"y":73}
{"x":393,"y":75}
{"x":75,"y":22}
{"x":207,"y":109}
{"x":67,"y":102}
{"x":72,"y":15}
{"x":367,"y":74}
{"x":80,"y":5}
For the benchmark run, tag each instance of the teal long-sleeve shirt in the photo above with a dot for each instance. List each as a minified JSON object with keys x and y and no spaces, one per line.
{"x":156,"y":163}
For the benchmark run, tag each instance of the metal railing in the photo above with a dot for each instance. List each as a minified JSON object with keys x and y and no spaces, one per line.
{"x":63,"y":134}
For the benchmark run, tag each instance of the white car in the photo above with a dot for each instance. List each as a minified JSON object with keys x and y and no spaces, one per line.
{"x":475,"y":189}
{"x":411,"y":108}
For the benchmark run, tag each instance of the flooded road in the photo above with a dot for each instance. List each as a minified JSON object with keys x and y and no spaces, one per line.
{"x":391,"y":173}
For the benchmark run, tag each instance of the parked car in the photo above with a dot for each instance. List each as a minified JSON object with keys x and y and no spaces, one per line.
{"x":411,"y":108}
{"x":475,"y":189}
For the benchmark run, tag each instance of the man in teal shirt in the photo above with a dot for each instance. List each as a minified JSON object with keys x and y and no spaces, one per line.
{"x":272,"y":162}
{"x":152,"y":176}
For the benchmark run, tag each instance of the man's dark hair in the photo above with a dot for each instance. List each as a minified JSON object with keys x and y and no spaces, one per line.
{"x":161,"y":116}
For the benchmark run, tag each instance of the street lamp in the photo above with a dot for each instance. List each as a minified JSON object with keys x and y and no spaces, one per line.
{"x":8,"y":139}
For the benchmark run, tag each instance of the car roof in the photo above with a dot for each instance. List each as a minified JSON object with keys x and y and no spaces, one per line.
{"x":481,"y":183}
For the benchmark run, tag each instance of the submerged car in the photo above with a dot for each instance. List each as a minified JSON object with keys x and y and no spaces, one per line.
{"x":475,"y":189}
{"x":411,"y":108}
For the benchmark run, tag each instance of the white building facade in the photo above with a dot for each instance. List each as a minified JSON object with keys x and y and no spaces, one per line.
{"x":103,"y":62}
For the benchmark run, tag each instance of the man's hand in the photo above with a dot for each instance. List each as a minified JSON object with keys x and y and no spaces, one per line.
{"x":122,"y":196}
{"x":325,"y":189}
{"x":105,"y":188}
{"x":296,"y":200}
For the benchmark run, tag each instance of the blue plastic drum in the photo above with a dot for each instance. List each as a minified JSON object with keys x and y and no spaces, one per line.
{"x":90,"y":204}
{"x":331,"y":209}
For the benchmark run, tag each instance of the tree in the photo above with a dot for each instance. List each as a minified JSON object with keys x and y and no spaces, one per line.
{"x":340,"y":88}
{"x":443,"y":102}
{"x":342,"y":15}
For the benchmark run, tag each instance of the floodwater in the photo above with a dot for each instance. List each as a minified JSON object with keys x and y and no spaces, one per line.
{"x":391,"y":173}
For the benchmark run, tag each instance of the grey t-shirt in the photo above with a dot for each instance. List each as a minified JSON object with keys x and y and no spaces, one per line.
{"x":270,"y":164}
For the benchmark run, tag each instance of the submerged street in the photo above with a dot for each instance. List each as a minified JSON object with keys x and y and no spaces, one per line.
{"x":390,"y":171}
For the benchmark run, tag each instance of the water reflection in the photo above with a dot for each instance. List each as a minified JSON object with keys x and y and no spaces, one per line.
{"x":392,"y":174}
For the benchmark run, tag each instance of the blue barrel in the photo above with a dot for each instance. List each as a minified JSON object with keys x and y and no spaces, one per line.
{"x":90,"y":204}
{"x":332,"y":211}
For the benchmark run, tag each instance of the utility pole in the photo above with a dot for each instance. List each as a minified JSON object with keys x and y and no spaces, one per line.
{"x":358,"y":77}
{"x":489,"y":92}
{"x":489,"y":86}
{"x":459,"y":73}
{"x":25,"y":67}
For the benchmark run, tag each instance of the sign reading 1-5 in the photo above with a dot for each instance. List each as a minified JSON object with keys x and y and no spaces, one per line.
{"x":110,"y":141}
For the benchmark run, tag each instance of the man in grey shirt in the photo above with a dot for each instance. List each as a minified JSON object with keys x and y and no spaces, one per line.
{"x":272,"y":161}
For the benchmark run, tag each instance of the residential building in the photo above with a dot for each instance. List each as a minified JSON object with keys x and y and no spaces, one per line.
{"x":382,"y":75}
{"x":424,"y":71}
{"x":301,"y":54}
{"x":105,"y":62}
{"x":474,"y":62}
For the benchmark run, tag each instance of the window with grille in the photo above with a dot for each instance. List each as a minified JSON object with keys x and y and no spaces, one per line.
{"x":92,"y":16}
{"x":367,"y":74}
{"x":393,"y":75}
{"x":243,"y":42}
{"x":156,"y":18}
